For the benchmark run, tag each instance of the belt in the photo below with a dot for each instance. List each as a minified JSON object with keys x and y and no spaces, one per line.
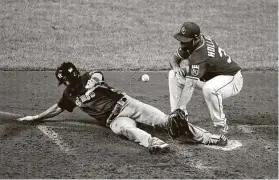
{"x":116,"y":110}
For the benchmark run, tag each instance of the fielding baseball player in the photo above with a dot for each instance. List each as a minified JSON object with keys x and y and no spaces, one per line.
{"x":120,"y":112}
{"x":209,"y":67}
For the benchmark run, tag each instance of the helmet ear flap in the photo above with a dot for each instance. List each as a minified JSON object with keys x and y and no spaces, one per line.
{"x":67,"y":71}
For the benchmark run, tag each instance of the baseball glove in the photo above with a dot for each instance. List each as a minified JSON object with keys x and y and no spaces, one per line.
{"x":177,"y":123}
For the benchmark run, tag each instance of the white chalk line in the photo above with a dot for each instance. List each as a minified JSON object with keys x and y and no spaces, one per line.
{"x":248,"y":129}
{"x":232,"y":145}
{"x":199,"y":164}
{"x":195,"y":163}
{"x":10,"y":114}
{"x":56,"y":139}
{"x":51,"y":134}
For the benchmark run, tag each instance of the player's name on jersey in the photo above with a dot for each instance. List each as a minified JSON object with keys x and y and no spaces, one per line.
{"x":210,"y":46}
{"x":84,"y":98}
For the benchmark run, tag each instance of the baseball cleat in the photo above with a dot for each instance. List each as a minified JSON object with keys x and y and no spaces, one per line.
{"x":223,"y":141}
{"x":222,"y":129}
{"x":218,"y":140}
{"x":158,"y":146}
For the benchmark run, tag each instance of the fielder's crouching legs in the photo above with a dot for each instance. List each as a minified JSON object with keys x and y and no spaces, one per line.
{"x":178,"y":125}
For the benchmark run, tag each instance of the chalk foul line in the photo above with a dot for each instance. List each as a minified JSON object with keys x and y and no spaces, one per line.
{"x":56,"y":139}
{"x":10,"y":114}
{"x":248,"y":129}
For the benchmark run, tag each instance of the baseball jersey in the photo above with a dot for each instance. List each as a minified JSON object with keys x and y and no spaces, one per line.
{"x":208,"y":60}
{"x":94,"y":97}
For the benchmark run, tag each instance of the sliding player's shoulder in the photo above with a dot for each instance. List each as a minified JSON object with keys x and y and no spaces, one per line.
{"x":97,"y":75}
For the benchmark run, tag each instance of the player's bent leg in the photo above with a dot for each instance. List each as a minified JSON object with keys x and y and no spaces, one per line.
{"x":186,"y":94}
{"x":127,"y":127}
{"x":175,"y":89}
{"x":214,"y":99}
{"x":217,"y":89}
{"x":143,"y":113}
{"x":200,"y":84}
{"x":178,"y":126}
{"x":203,"y":136}
{"x":238,"y":83}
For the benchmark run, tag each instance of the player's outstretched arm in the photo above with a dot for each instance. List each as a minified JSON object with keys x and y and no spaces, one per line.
{"x":49,"y":113}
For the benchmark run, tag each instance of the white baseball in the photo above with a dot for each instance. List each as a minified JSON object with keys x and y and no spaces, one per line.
{"x":145,"y":77}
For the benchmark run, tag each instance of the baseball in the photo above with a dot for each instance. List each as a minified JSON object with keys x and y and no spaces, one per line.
{"x":145,"y":78}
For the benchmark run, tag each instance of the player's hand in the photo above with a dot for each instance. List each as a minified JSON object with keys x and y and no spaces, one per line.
{"x":180,"y":75}
{"x":28,"y":118}
{"x":180,"y":71}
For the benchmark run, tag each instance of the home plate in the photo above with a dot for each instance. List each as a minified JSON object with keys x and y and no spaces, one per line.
{"x":232,"y":145}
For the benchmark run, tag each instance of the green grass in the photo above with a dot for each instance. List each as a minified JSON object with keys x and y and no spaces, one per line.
{"x":131,"y":34}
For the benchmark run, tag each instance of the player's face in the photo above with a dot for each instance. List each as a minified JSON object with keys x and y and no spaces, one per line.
{"x":190,"y":45}
{"x":186,"y":45}
{"x":72,"y":83}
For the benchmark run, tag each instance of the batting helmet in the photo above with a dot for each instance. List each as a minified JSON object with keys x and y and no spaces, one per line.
{"x":67,"y":71}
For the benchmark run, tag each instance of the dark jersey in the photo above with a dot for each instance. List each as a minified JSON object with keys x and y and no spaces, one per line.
{"x":94,"y":97}
{"x":208,"y":60}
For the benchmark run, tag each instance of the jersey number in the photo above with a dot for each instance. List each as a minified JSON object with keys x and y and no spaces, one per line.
{"x":223,"y":53}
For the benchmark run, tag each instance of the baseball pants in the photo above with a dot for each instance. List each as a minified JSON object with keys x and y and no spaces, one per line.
{"x":215,"y":91}
{"x":137,"y":111}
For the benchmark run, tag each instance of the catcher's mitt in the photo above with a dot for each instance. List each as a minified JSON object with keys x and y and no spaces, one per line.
{"x":177,"y":123}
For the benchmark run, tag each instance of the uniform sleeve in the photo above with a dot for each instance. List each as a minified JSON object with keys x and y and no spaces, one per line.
{"x":94,"y":78}
{"x":97,"y":76}
{"x":65,"y":103}
{"x":198,"y":70}
{"x":182,"y":54}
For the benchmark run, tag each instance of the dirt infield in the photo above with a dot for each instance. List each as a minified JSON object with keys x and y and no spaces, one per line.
{"x":73,"y":146}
